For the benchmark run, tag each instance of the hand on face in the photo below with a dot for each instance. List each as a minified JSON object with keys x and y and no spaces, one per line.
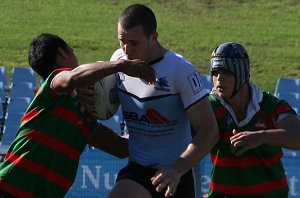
{"x":139,"y":69}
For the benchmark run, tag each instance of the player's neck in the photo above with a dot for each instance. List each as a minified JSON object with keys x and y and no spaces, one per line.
{"x":158,"y":53}
{"x":239,"y":103}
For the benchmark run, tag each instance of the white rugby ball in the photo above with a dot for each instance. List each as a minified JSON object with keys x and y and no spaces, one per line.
{"x":107,"y":101}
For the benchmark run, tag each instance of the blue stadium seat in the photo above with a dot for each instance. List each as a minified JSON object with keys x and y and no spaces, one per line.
{"x":2,"y":92}
{"x":3,"y":75}
{"x":287,"y":85}
{"x":24,"y":74}
{"x":1,"y":110}
{"x":3,"y":151}
{"x":21,"y":89}
{"x":292,"y":98}
{"x":13,"y":118}
{"x":9,"y":134}
{"x":17,"y":104}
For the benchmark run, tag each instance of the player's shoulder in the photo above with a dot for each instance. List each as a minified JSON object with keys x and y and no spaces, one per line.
{"x":179,"y":62}
{"x":118,"y":54}
{"x":175,"y":56}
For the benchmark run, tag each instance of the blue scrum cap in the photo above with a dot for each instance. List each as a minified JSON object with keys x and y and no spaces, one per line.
{"x":232,"y":57}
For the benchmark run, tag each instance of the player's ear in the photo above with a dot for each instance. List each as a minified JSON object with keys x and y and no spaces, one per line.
{"x":61,"y":57}
{"x":155,"y":36}
{"x":61,"y":52}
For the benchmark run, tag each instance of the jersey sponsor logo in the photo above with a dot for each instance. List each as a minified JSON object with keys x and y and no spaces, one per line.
{"x":195,"y":82}
{"x":161,"y":84}
{"x":151,"y":117}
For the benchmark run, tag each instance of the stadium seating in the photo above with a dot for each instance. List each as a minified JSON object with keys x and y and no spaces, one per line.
{"x":21,"y":89}
{"x":13,"y":118}
{"x":18,"y":104}
{"x":287,"y":85}
{"x":292,"y":98}
{"x":2,"y":92}
{"x":9,"y":134}
{"x":24,"y":74}
{"x":3,"y":75}
{"x":1,"y":112}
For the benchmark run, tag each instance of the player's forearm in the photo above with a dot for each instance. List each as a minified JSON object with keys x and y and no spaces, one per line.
{"x":105,"y":139}
{"x":89,"y":73}
{"x":279,"y":137}
{"x":286,"y":135}
{"x":84,"y":75}
{"x":195,"y":151}
{"x":117,"y":148}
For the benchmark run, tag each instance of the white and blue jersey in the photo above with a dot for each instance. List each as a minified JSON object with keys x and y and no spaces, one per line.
{"x":158,"y":125}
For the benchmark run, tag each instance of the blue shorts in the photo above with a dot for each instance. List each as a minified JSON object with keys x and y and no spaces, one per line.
{"x":142,"y":175}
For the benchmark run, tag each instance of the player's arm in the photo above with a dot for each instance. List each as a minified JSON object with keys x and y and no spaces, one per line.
{"x":206,"y":135}
{"x":286,"y":134}
{"x":86,"y":74}
{"x":107,"y":140}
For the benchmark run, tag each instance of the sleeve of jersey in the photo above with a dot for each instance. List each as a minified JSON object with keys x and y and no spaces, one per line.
{"x":53,"y":75}
{"x":118,"y":54}
{"x":189,"y":85}
{"x":283,"y":109}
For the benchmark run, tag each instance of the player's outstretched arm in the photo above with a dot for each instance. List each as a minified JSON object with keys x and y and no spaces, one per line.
{"x":86,"y":74}
{"x":286,"y":135}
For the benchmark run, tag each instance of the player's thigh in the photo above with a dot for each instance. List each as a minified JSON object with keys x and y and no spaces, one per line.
{"x":128,"y":189}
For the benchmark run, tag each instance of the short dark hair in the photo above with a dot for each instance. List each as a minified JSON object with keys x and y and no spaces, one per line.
{"x":43,"y":51}
{"x":139,"y":15}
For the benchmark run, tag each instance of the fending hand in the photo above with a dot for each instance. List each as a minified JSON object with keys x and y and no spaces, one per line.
{"x":140,"y":69}
{"x":166,"y":179}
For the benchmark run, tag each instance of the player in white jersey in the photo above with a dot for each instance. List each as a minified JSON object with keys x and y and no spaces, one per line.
{"x":158,"y":116}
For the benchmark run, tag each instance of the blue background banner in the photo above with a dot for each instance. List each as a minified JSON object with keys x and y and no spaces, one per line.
{"x":97,"y":173}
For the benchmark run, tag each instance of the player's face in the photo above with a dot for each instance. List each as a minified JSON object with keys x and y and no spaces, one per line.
{"x":135,"y":43}
{"x":224,"y":83}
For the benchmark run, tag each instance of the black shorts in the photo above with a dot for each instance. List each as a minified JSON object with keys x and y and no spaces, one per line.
{"x":142,"y":175}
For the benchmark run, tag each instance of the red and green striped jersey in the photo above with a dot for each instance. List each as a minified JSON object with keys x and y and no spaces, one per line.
{"x":43,"y":159}
{"x":256,"y":173}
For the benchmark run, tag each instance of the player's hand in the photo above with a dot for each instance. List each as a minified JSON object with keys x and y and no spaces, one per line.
{"x":140,"y":69}
{"x":87,"y":98}
{"x":246,"y":140}
{"x":166,"y":179}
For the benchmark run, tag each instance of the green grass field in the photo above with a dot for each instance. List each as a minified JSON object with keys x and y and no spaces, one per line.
{"x":269,"y":29}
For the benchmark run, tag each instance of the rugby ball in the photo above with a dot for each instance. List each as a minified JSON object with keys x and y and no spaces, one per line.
{"x":107,"y":101}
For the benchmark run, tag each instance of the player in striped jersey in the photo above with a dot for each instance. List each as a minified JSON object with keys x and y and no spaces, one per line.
{"x":42,"y":161}
{"x":253,"y":126}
